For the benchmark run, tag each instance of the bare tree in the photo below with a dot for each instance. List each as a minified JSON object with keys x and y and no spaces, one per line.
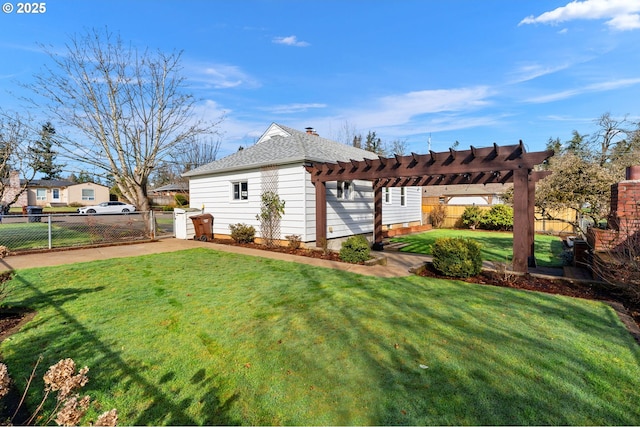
{"x":399,"y":147}
{"x":346,"y":133}
{"x":16,"y":158}
{"x":196,"y":153}
{"x":128,"y":109}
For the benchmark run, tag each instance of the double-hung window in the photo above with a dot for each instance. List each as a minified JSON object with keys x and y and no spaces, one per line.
{"x":240,"y":190}
{"x":345,"y":190}
{"x":403,"y":196}
{"x":387,"y":195}
{"x":41,"y":194}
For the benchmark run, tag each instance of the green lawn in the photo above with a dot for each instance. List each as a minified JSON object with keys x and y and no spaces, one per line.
{"x":35,"y":236}
{"x":496,"y":246}
{"x":206,"y":337}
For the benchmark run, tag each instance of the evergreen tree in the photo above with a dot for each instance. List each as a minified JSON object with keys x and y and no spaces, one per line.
{"x":374,"y":144}
{"x":44,"y":155}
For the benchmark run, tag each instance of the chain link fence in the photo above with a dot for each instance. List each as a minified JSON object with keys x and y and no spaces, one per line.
{"x":54,"y":231}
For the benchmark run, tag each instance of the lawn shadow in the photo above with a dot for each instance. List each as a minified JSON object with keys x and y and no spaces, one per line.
{"x":72,"y":333}
{"x":445,"y":392}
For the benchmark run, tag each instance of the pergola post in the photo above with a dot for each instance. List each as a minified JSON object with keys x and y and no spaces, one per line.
{"x":475,"y":166}
{"x":321,"y":213}
{"x":531,"y":215}
{"x":521,"y":226}
{"x":377,"y":215}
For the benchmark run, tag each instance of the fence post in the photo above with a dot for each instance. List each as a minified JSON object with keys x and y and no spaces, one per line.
{"x":49,"y":230}
{"x":152,"y":225}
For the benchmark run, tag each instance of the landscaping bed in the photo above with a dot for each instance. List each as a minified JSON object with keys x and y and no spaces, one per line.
{"x":308,"y":252}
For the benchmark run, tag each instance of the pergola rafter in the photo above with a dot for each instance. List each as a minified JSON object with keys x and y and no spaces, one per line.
{"x":496,"y":164}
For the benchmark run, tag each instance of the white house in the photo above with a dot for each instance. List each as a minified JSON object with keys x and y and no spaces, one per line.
{"x":230,"y":188}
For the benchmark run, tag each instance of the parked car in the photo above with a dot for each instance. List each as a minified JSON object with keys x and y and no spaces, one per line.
{"x":107,"y":208}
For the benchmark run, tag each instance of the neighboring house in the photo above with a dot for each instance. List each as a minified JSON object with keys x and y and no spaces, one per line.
{"x":230,"y":188}
{"x":55,"y":193}
{"x":165,"y":195}
{"x":467,"y":195}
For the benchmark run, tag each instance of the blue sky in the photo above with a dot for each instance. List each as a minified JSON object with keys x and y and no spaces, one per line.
{"x":472,"y":71}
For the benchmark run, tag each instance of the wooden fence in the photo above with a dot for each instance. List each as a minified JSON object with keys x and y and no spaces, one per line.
{"x":454,"y":213}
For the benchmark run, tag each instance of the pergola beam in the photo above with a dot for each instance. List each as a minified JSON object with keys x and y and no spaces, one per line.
{"x":475,"y":166}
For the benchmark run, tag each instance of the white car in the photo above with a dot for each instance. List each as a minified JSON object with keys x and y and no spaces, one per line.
{"x":107,"y":208}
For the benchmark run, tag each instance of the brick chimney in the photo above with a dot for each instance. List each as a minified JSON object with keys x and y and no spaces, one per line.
{"x":14,"y":179}
{"x":310,"y":131}
{"x":624,"y":216}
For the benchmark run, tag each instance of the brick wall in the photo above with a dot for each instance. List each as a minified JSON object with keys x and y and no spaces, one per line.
{"x":624,"y":219}
{"x":13,"y":189}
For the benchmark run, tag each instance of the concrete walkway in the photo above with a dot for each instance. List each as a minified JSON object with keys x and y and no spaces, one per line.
{"x":398,"y":264}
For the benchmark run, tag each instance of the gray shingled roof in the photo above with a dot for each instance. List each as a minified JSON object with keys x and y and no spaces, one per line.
{"x":297,"y":147}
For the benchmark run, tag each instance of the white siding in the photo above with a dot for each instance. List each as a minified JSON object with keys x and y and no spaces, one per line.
{"x":349,"y":217}
{"x":214,"y":193}
{"x":344,"y":217}
{"x":473,"y":200}
{"x":291,"y":188}
{"x":394,"y":213}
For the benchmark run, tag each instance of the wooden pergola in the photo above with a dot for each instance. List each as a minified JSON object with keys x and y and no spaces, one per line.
{"x":497,"y":164}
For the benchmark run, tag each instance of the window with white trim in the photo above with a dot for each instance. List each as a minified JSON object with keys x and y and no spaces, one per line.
{"x":41,"y":194}
{"x":345,"y":190}
{"x":387,"y":195}
{"x":403,"y":196}
{"x":240,"y":190}
{"x":88,"y":194}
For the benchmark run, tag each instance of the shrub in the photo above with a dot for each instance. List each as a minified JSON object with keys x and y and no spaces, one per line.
{"x":438,"y":215}
{"x":355,"y":249}
{"x":181,"y":199}
{"x":242,"y":233}
{"x":294,"y":241}
{"x":457,"y":257}
{"x":472,"y":216}
{"x":499,"y":217}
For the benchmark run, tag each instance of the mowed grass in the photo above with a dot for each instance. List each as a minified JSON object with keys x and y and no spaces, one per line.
{"x":497,"y":246}
{"x":206,"y":337}
{"x":36,"y":235}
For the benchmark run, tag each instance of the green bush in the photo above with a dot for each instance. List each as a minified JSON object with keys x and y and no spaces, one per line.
{"x":499,"y":217}
{"x":355,"y":249}
{"x":472,"y":216}
{"x":457,"y":257}
{"x":242,"y":233}
{"x":181,"y":199}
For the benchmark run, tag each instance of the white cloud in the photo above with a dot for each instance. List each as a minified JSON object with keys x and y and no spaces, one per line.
{"x":400,"y":109}
{"x":219,"y":76}
{"x":596,"y":87}
{"x":621,"y":15}
{"x":533,"y":71}
{"x":290,"y":41}
{"x":293,"y":108}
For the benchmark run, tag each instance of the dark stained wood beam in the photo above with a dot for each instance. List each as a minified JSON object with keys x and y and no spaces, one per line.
{"x":321,"y":213}
{"x":520,"y":221}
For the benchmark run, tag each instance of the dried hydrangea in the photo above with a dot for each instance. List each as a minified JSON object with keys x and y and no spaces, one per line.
{"x":4,"y":380}
{"x":61,"y":377}
{"x":72,"y":411}
{"x":3,"y":251}
{"x":109,"y":419}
